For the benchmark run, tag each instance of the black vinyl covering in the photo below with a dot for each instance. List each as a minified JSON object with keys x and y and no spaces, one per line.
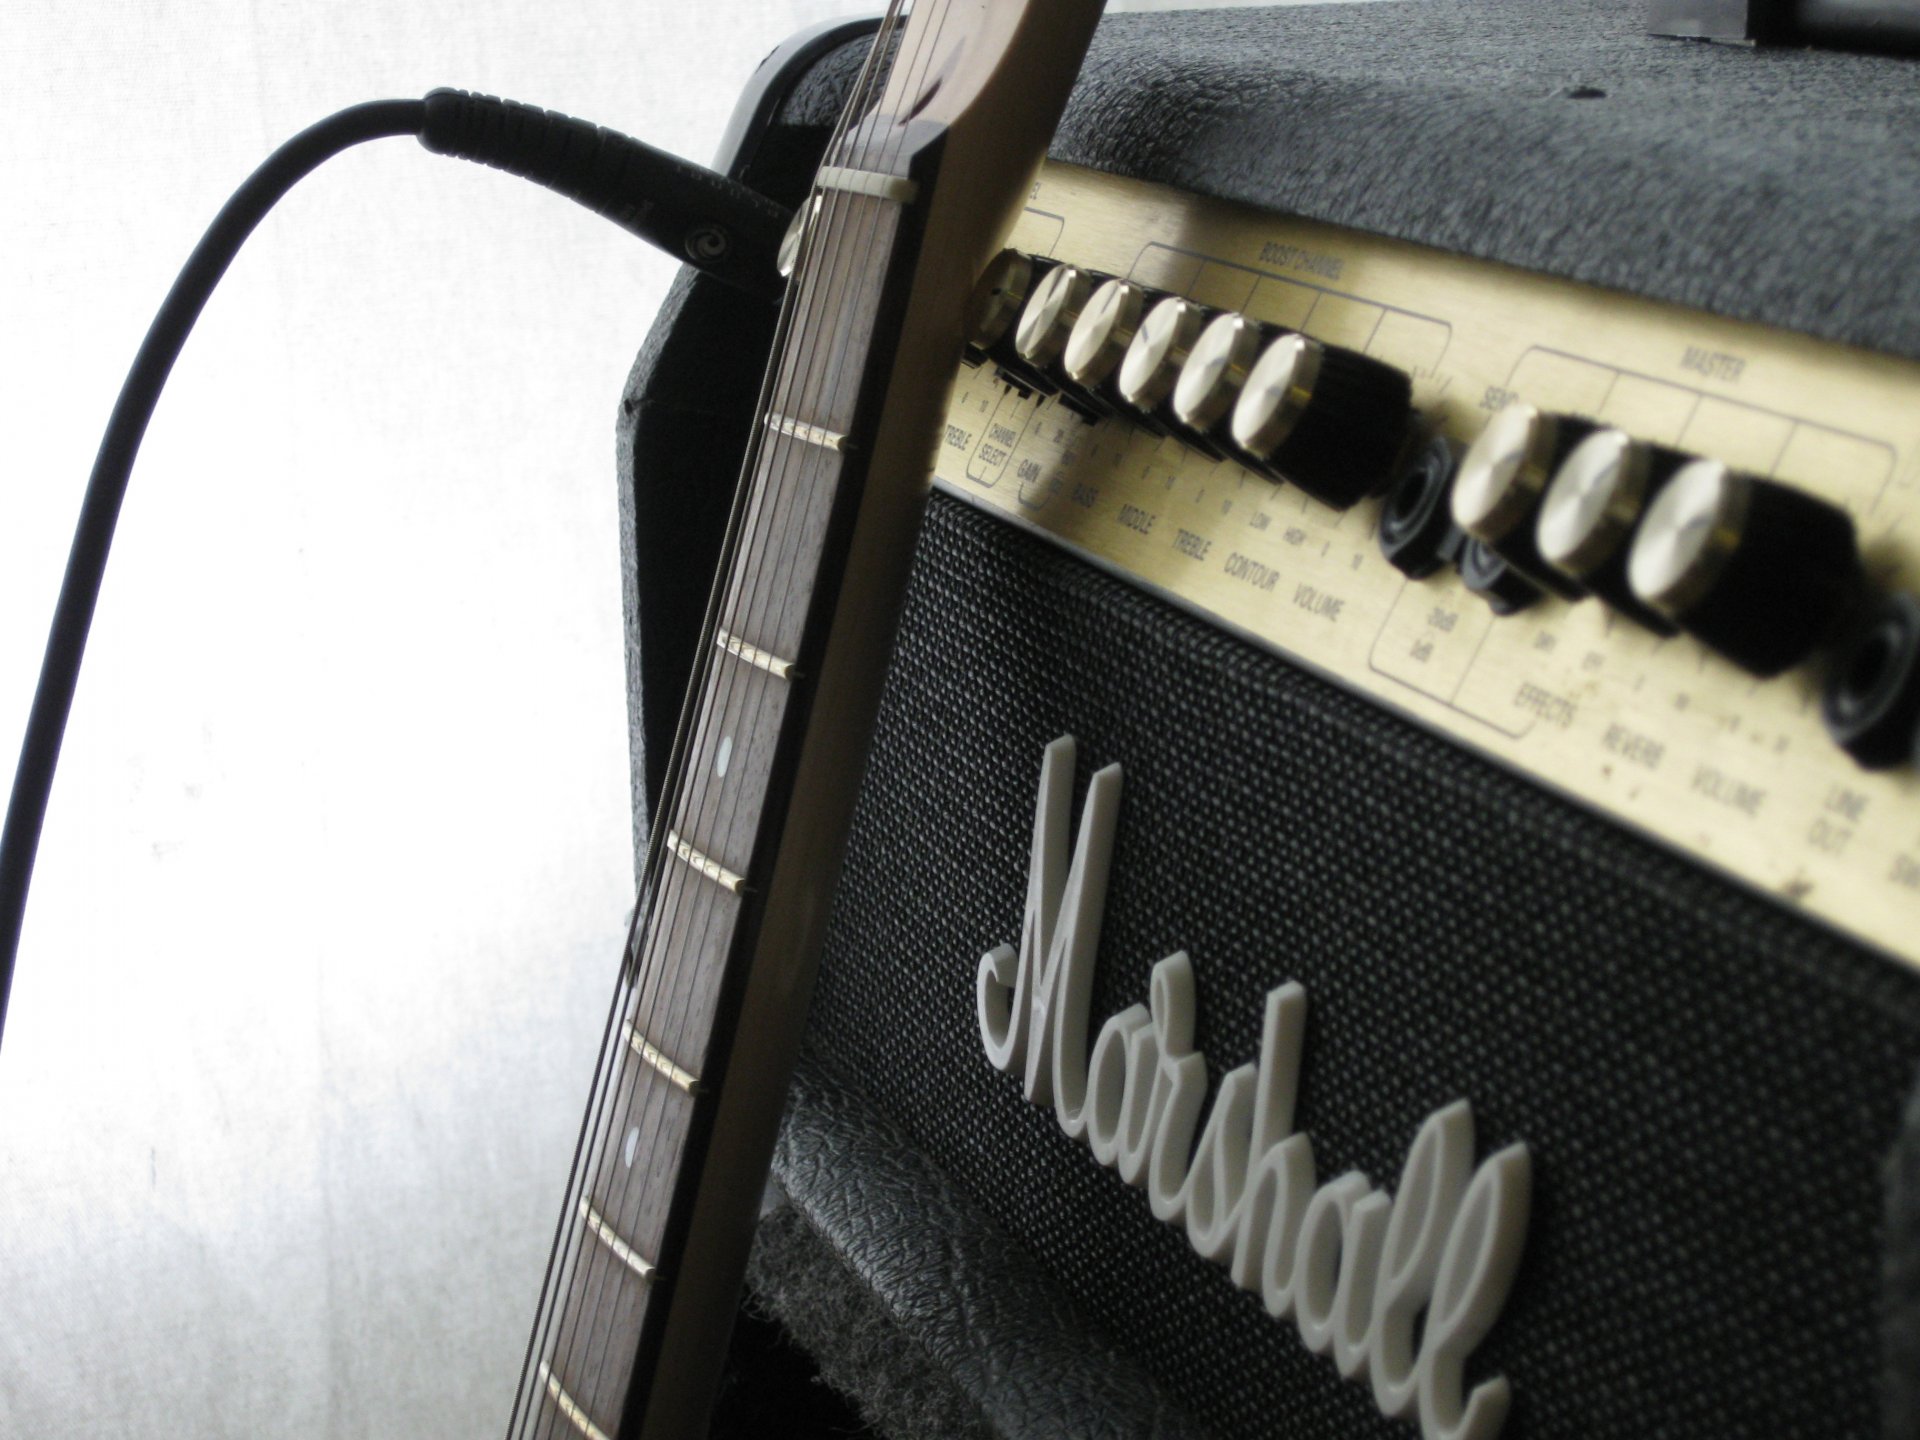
{"x":1780,"y":186}
{"x":1707,"y":1085}
{"x":1712,"y":1088}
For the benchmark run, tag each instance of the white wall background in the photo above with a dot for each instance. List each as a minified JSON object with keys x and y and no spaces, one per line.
{"x":336,"y":871}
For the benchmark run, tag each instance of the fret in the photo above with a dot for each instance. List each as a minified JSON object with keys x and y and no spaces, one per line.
{"x":703,"y":864}
{"x":806,"y":432}
{"x":568,"y":1406}
{"x":713,"y":830}
{"x":822,"y":373}
{"x":817,"y":530}
{"x":643,"y":1144}
{"x":681,"y":963}
{"x":897,"y":188}
{"x":713,"y":826}
{"x":763,"y":659}
{"x":598,"y":1227}
{"x":652,"y":1054}
{"x":617,"y":1225}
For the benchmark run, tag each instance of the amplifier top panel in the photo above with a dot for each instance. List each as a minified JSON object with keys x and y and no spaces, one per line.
{"x":1583,"y":686}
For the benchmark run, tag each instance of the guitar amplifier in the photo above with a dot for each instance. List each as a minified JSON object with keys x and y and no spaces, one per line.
{"x":1416,"y":1000}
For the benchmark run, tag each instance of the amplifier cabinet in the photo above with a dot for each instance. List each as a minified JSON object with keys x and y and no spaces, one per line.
{"x":1385,"y":1016}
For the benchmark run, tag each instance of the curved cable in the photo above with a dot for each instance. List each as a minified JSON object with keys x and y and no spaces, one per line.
{"x":710,"y":221}
{"x":107,"y":486}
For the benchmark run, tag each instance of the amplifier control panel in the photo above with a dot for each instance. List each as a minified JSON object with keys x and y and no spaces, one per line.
{"x":1663,"y":562}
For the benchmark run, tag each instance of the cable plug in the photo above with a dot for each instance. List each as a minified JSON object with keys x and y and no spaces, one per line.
{"x":711,"y":222}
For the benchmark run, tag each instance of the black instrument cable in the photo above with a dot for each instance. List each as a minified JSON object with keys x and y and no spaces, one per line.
{"x":708,"y":220}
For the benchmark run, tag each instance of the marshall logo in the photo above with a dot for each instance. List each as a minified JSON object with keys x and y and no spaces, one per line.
{"x":1352,"y":1265}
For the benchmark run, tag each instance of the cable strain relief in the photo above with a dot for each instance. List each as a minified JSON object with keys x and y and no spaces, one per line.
{"x":699,"y":216}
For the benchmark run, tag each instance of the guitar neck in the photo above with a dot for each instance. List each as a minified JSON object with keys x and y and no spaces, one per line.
{"x":745,"y":854}
{"x":714,"y":857}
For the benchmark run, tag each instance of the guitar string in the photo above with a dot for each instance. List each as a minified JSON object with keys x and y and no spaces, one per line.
{"x":767,"y":600}
{"x":664,"y":914}
{"x":762,"y":584}
{"x":562,"y":1229}
{"x":688,"y":935}
{"x":756,"y":581}
{"x":821,"y":374}
{"x":774,"y":586}
{"x":554,"y":1296}
{"x":746,"y":595}
{"x":719,"y":810}
{"x":756,"y":593}
{"x":581,"y":1281}
{"x":747,"y":580}
{"x":788,"y":526}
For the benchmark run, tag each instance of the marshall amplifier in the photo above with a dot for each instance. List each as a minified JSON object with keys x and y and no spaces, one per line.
{"x":1386,"y":895}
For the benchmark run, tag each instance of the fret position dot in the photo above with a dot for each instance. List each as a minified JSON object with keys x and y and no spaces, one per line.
{"x":725,"y":754}
{"x":633,"y":1145}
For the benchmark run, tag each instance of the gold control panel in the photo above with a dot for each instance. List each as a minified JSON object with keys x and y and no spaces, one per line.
{"x":1657,"y":732}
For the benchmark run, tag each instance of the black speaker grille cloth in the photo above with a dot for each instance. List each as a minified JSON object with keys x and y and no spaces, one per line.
{"x":1707,"y":1083}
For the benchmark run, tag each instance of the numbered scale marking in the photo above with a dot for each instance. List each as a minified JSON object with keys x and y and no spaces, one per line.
{"x":1656,"y":731}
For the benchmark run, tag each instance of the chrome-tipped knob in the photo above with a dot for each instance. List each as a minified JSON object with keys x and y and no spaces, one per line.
{"x":1753,"y":569}
{"x":1159,"y":348}
{"x":1211,"y":380}
{"x":1328,"y":420}
{"x":1100,"y":337}
{"x":1503,"y":480}
{"x":997,"y":300}
{"x":1589,"y":512}
{"x":1050,"y":313}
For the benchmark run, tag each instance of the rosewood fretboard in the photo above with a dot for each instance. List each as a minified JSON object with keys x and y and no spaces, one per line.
{"x":920,"y":185}
{"x":668,"y":1046}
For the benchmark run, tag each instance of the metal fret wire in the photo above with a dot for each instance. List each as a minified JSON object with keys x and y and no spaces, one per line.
{"x":768,"y":491}
{"x":776,"y":510}
{"x":526,"y":1406}
{"x":555,"y":1292}
{"x":778,"y":507}
{"x":580,"y":1275}
{"x":773,"y":522}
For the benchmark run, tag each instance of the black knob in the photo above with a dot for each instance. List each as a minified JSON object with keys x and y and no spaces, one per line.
{"x":1871,"y":703}
{"x":1592,"y":505}
{"x":1503,"y":480}
{"x":1493,"y":579}
{"x":1329,"y":420}
{"x":1756,"y":570}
